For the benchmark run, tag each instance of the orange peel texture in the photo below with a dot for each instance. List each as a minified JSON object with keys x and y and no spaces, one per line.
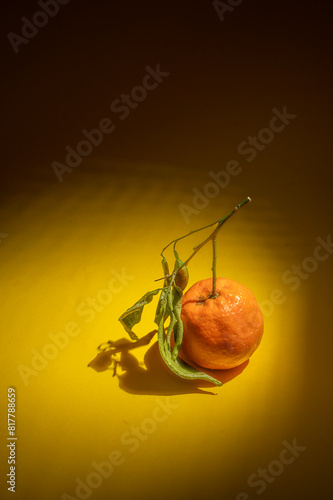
{"x":224,"y":332}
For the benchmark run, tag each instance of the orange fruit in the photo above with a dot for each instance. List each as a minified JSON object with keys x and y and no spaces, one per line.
{"x":223,"y":332}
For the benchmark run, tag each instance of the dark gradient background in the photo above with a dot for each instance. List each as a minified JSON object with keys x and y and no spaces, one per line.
{"x":61,"y":242}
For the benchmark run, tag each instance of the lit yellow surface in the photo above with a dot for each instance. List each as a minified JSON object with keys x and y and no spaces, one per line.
{"x":63,"y":249}
{"x":63,"y":243}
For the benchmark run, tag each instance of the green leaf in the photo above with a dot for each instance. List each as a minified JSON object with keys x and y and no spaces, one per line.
{"x":160,"y":310}
{"x":164,"y":293}
{"x":165,"y":266}
{"x":133,"y":315}
{"x":178,"y":328}
{"x":182,"y":276}
{"x":173,"y":319}
{"x":178,"y":366}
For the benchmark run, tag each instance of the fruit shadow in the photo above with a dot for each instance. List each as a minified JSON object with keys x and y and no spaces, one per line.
{"x":152,"y":377}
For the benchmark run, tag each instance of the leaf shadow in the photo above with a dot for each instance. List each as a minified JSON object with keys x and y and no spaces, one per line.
{"x":154,"y":377}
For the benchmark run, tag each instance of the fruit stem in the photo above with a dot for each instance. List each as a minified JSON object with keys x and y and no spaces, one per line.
{"x":214,"y":294}
{"x":212,"y":236}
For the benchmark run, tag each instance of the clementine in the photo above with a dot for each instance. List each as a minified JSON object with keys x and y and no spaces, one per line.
{"x":221,"y":332}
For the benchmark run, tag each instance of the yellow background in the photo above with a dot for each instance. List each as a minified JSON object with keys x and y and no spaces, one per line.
{"x":117,"y":210}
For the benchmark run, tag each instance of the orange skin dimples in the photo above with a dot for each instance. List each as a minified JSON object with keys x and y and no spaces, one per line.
{"x":221,"y":332}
